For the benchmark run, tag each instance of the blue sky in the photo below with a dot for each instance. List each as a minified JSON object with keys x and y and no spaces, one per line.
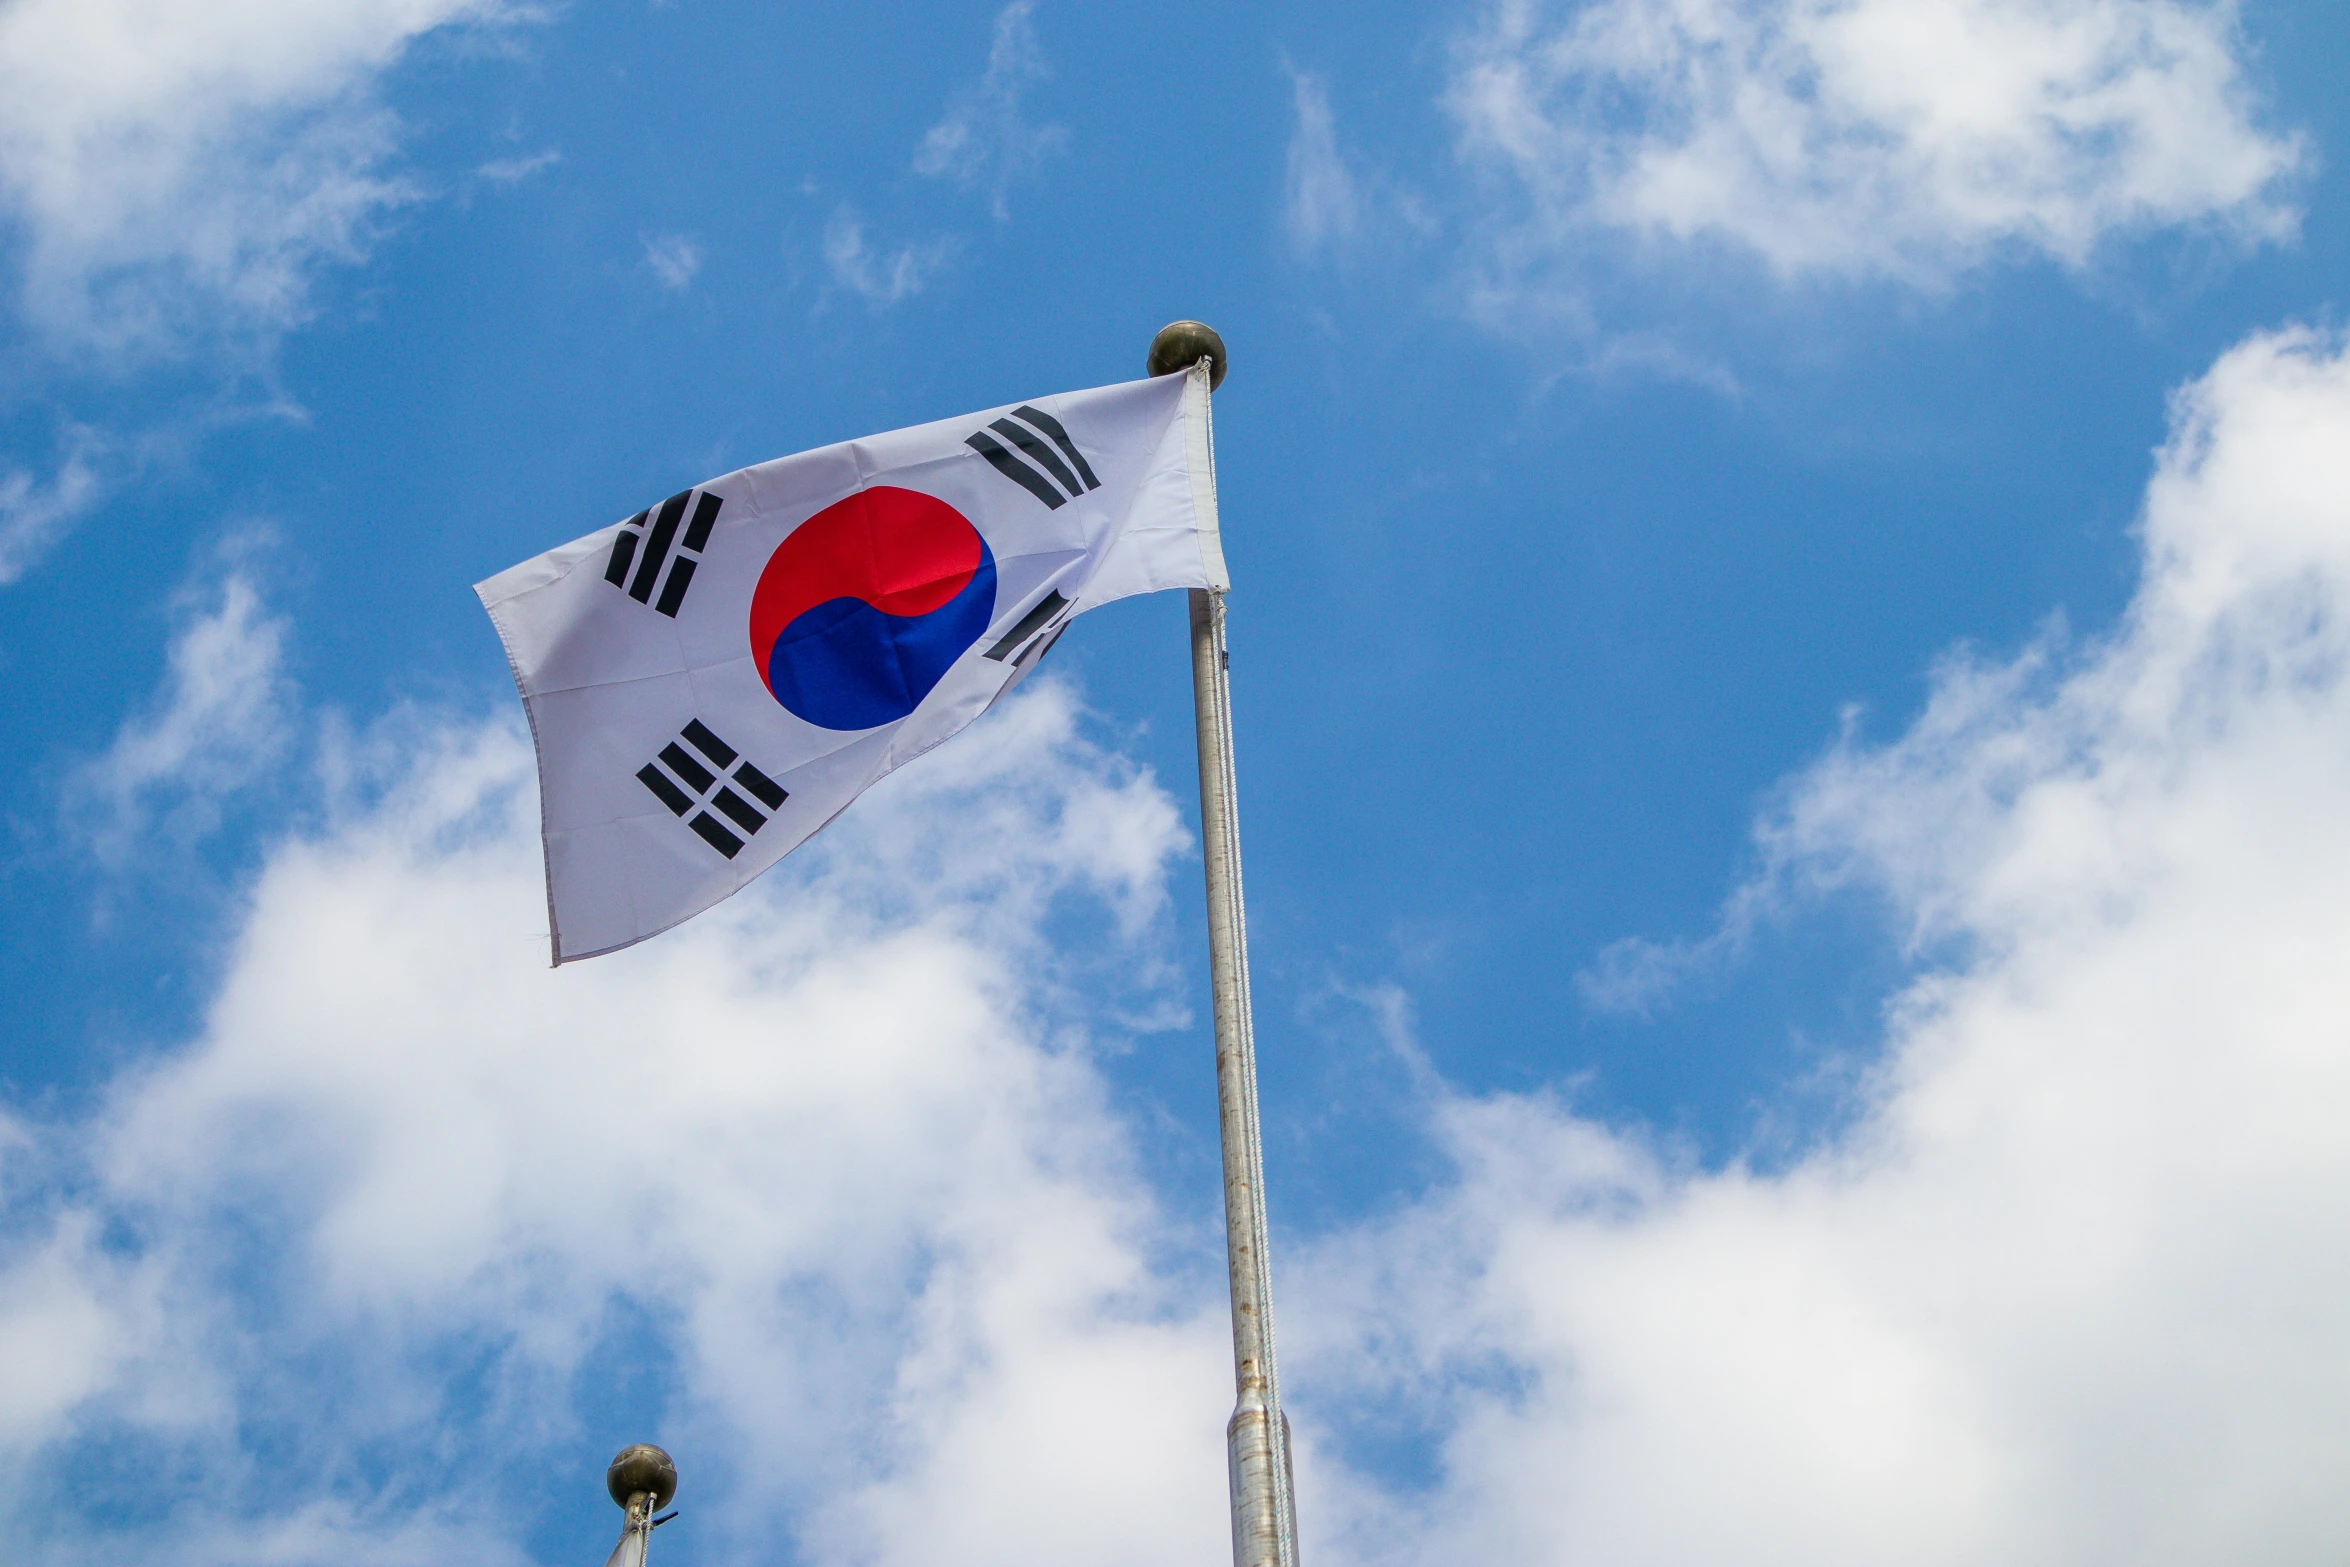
{"x":1791,"y":632}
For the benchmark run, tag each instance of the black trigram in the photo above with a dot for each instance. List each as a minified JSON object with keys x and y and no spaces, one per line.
{"x":662,"y":546}
{"x":1073,"y":477}
{"x":1030,"y":640}
{"x":688,"y":784}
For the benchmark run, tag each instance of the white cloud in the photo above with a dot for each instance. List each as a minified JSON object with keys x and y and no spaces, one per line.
{"x":174,"y":179}
{"x":876,"y":277}
{"x":61,"y":1327}
{"x":1908,"y":139}
{"x":1321,"y":204}
{"x":35,"y":512}
{"x":834,"y":1155}
{"x":986,"y":141}
{"x":674,"y":258}
{"x":2069,"y":1289}
{"x":179,"y":169}
{"x":513,"y":171}
{"x":1333,"y":203}
{"x":222,"y":716}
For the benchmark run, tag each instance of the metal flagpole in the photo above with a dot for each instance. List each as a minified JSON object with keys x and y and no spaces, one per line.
{"x":642,"y":1480}
{"x":1264,"y":1511}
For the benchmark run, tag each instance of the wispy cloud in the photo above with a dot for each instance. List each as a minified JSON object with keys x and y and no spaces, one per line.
{"x":674,"y":258}
{"x":1321,"y":205}
{"x":986,"y":140}
{"x":879,"y":277}
{"x":36,"y":510}
{"x":221,"y":718}
{"x":399,"y":1142}
{"x":2083,"y":1215}
{"x":1333,"y":202}
{"x":182,"y":174}
{"x":176,"y":182}
{"x":513,"y":171}
{"x":1863,"y":138}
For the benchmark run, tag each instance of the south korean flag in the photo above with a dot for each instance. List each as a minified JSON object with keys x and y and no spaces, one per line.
{"x":715,"y":678}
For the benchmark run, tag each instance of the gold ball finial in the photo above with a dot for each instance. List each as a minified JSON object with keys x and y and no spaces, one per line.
{"x":1182,"y":344}
{"x":640,"y":1469}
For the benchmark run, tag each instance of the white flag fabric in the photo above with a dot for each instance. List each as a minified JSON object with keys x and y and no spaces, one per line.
{"x":714,"y":679}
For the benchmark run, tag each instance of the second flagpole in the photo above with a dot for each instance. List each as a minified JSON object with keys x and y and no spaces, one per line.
{"x":1264,"y":1511}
